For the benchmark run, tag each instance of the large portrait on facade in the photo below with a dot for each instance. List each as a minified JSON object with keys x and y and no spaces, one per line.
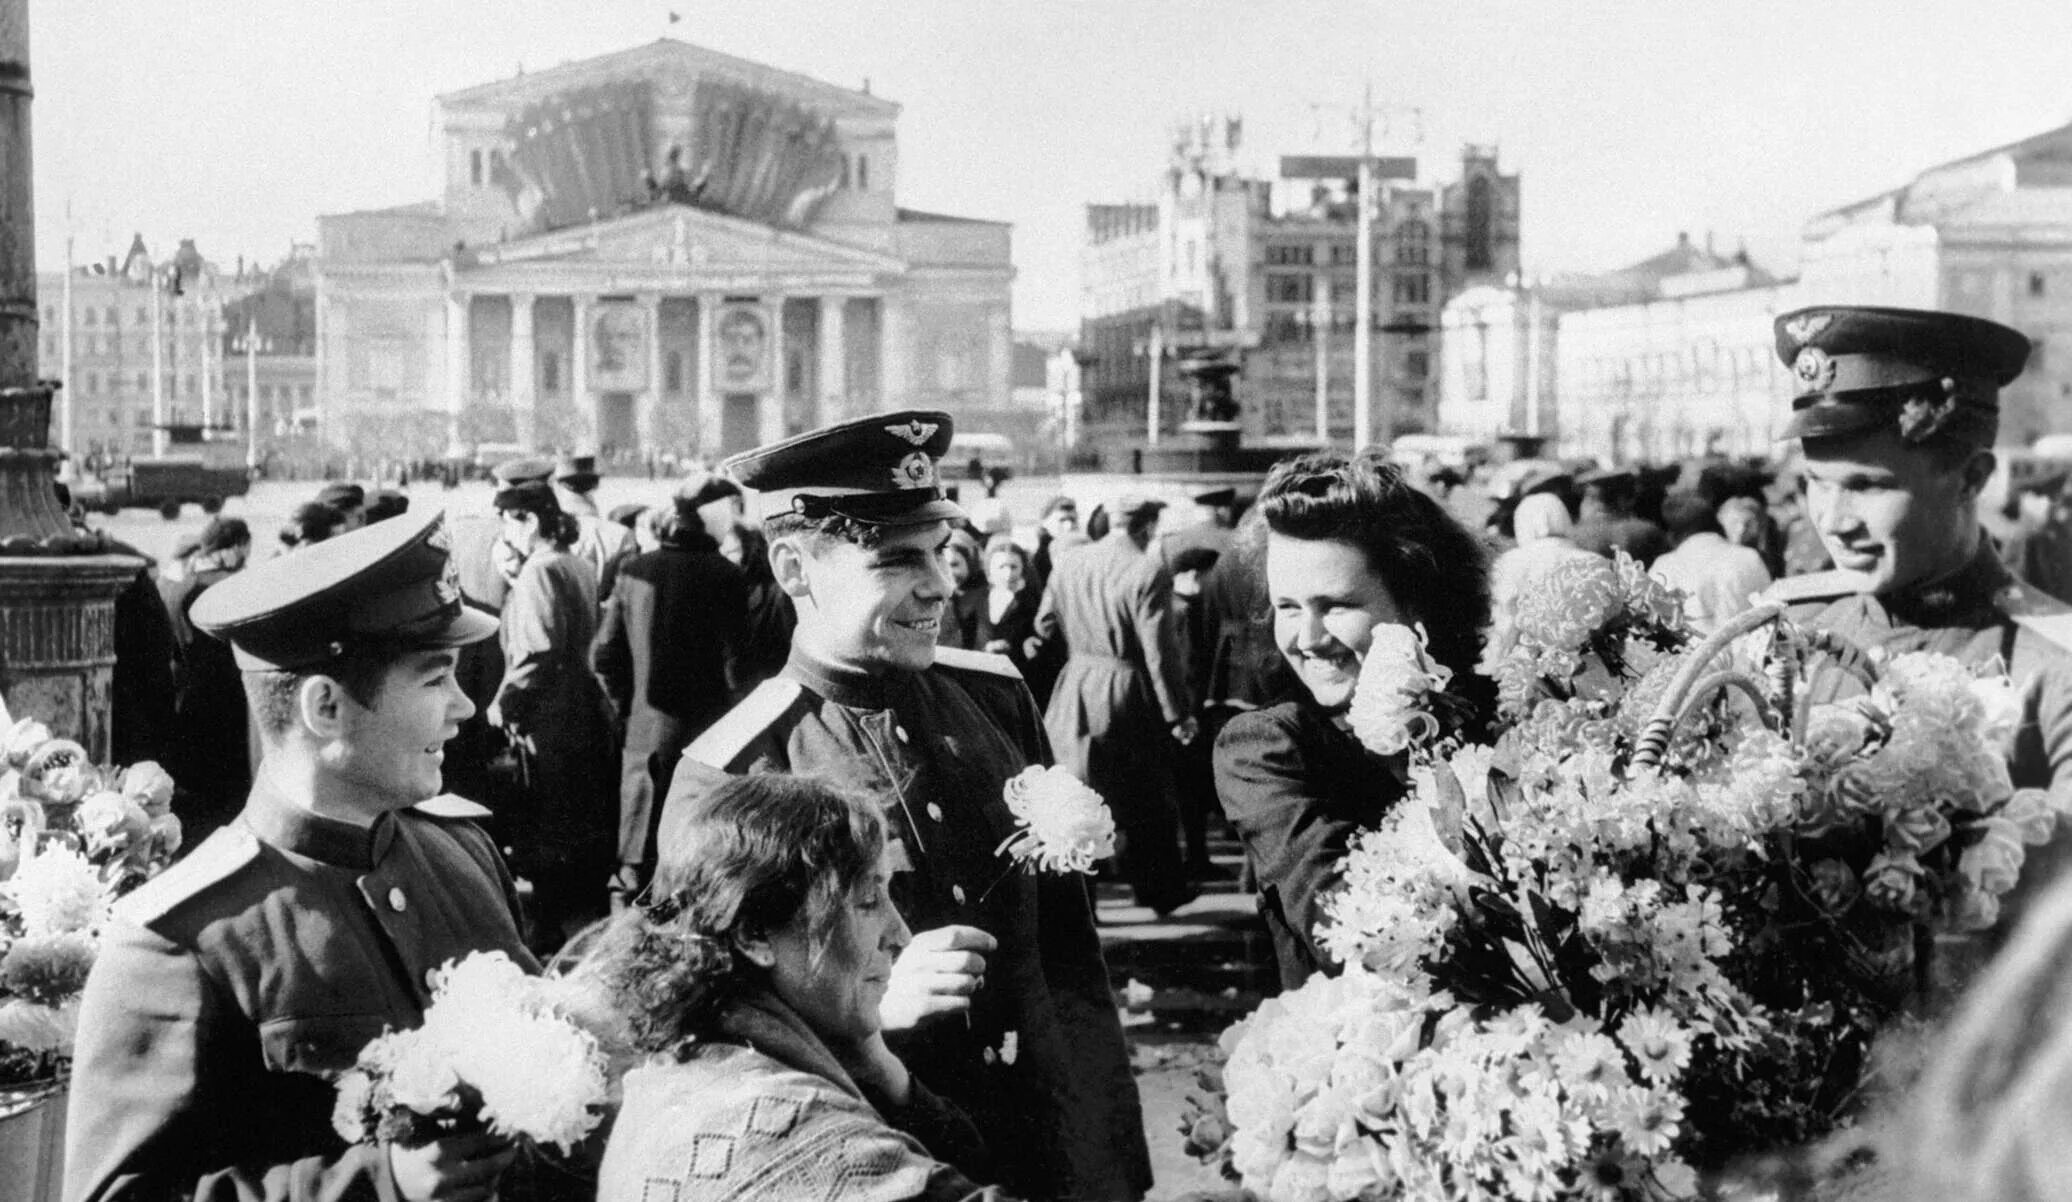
{"x":618,"y":348}
{"x":744,"y":347}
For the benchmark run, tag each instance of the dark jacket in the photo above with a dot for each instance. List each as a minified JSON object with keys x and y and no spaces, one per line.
{"x":666,"y":648}
{"x":210,"y":757}
{"x":1298,"y":788}
{"x":232,"y":990}
{"x":939,"y":746}
{"x":1244,"y":668}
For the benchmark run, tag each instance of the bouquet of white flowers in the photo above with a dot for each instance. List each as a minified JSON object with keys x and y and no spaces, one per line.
{"x":496,"y":1052}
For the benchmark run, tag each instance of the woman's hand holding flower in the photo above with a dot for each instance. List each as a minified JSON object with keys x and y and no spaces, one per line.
{"x":459,"y":1168}
{"x":935,"y":975}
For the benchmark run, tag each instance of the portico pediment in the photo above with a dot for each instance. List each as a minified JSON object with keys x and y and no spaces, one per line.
{"x":691,"y":245}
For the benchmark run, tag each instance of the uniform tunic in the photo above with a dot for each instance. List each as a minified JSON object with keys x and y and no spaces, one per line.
{"x":233,"y":989}
{"x":938,"y":746}
{"x":1975,"y":615}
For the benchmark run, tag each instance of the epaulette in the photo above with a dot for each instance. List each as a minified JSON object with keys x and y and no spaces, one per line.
{"x":452,"y":805}
{"x":731,"y":735}
{"x":219,"y":856}
{"x":977,"y":661}
{"x":1814,"y":586}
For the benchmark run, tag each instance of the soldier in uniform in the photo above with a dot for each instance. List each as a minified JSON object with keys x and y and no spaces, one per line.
{"x":1897,"y":410}
{"x":1002,"y":1001}
{"x":235,"y":987}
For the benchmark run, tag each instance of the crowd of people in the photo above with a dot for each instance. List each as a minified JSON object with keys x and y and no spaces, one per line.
{"x":741,"y":763}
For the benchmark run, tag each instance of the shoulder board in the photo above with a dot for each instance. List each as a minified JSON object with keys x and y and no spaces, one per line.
{"x":977,"y":661}
{"x":451,"y":805}
{"x":1814,"y":586}
{"x":219,"y":856}
{"x":731,"y":735}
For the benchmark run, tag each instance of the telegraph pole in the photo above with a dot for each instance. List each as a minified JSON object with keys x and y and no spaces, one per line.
{"x":157,"y":360}
{"x":66,"y":467}
{"x":252,"y":387}
{"x":1363,"y":287}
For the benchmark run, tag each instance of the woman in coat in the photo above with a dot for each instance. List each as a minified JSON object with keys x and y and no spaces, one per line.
{"x":1349,"y":545}
{"x":750,"y":982}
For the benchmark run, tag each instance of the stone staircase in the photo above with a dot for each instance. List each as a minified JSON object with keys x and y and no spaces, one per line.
{"x":1200,"y":968}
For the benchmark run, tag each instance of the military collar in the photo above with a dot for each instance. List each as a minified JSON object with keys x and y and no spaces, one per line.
{"x":282,"y":823}
{"x":1965,"y":597}
{"x":840,"y":683}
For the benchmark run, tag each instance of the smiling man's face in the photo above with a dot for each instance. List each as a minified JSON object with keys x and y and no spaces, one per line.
{"x":1892,"y":512}
{"x":875,"y":608}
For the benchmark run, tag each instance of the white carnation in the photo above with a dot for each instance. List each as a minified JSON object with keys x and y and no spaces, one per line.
{"x":59,"y":892}
{"x":1065,"y":826}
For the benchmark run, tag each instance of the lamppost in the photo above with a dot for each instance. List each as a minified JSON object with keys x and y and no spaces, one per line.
{"x":251,"y":343}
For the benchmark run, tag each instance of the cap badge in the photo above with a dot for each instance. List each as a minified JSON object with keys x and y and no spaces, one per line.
{"x":1814,"y":369}
{"x":916,"y":432}
{"x":447,"y":587}
{"x":915,"y":471}
{"x":1804,"y":327}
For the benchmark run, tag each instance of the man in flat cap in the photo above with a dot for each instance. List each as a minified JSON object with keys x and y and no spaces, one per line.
{"x":2038,"y":550}
{"x":667,"y":652}
{"x":1002,"y":1001}
{"x":1121,"y":702}
{"x":1896,"y":411}
{"x":233,"y":989}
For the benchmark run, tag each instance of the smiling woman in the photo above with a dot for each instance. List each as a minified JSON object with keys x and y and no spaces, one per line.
{"x":1349,"y":548}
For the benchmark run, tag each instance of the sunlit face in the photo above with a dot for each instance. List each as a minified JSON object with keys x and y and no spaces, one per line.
{"x":1004,"y":571}
{"x":876,"y":609}
{"x":960,"y":569}
{"x":1327,"y":600}
{"x":519,"y":530}
{"x":391,"y":750}
{"x":1061,"y":521}
{"x":838,"y":990}
{"x":1887,"y":511}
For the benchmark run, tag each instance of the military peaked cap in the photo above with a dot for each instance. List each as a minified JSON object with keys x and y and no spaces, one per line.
{"x":1855,"y":368}
{"x":879,"y":470}
{"x":393,"y":583}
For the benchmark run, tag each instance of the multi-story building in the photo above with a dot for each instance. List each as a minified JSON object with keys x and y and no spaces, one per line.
{"x":118,"y":388}
{"x":1225,"y":265}
{"x":269,"y":359}
{"x":662,"y":250}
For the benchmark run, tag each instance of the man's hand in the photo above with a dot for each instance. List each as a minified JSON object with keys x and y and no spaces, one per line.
{"x":935,"y":975}
{"x":459,"y":1168}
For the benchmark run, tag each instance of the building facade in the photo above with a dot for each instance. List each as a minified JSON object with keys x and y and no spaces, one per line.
{"x":664,"y":251}
{"x":1227,"y":266}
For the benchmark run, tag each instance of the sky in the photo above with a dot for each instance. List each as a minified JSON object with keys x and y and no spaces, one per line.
{"x":237,"y":123}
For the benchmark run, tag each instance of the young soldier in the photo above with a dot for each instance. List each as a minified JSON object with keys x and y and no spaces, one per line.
{"x":1897,"y":411}
{"x":1002,"y":1001}
{"x":233,"y":989}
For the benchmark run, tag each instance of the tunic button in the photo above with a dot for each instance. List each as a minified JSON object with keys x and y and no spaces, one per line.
{"x":957,"y":891}
{"x":935,"y":811}
{"x":900,"y":733}
{"x":431,"y":978}
{"x":397,"y":901}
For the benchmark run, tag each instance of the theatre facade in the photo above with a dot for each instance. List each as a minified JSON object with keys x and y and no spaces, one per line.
{"x":664,"y":251}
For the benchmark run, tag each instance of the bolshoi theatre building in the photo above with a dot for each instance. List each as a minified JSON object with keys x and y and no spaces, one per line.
{"x":666,"y":250}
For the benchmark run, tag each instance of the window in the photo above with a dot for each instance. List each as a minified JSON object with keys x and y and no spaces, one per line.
{"x":111,"y":315}
{"x":1345,"y":254}
{"x":1289,"y":256}
{"x":306,"y":392}
{"x":475,"y":167}
{"x":143,"y":382}
{"x":87,"y":315}
{"x":1417,"y":364}
{"x":1481,"y":225}
{"x":1413,"y":243}
{"x":266,"y":394}
{"x":550,"y":372}
{"x":1288,"y":289}
{"x":143,"y":315}
{"x":672,"y":372}
{"x":1413,"y":288}
{"x":863,"y":173}
{"x":2036,"y":286}
{"x":187,"y":385}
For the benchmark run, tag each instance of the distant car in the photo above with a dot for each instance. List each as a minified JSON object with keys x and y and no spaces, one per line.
{"x":203,"y":465}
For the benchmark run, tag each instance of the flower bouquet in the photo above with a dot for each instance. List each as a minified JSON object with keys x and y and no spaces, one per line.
{"x":73,"y":838}
{"x":1657,"y":926}
{"x":497,"y":1052}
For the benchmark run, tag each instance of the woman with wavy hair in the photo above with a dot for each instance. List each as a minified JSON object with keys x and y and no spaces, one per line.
{"x":750,"y":982}
{"x":1349,"y":546}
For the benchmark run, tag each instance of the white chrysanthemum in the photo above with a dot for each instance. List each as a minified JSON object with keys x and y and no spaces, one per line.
{"x":34,"y":1027}
{"x":481,"y":984}
{"x":1064,"y":826}
{"x":59,"y":892}
{"x":1390,"y":711}
{"x":541,"y":1077}
{"x":421,"y":1073}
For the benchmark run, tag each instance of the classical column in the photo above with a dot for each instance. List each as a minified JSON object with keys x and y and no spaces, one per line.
{"x":457,"y":362}
{"x":579,"y":364}
{"x":651,"y":401}
{"x":707,"y":441}
{"x":833,"y":374}
{"x":775,"y":420}
{"x":893,"y":389}
{"x":525,"y":372}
